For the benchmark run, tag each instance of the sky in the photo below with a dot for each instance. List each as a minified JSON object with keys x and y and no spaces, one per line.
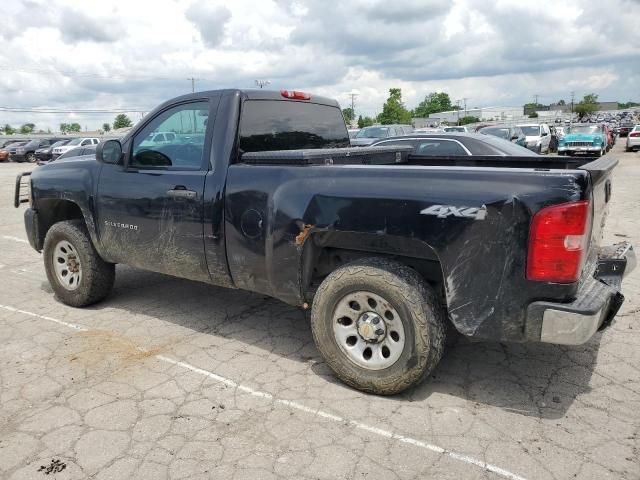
{"x":130,"y":56}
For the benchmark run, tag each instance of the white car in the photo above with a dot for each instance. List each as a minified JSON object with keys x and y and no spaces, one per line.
{"x":158,"y":138}
{"x":76,"y":142}
{"x":538,"y":136}
{"x":633,"y":139}
{"x":456,"y":129}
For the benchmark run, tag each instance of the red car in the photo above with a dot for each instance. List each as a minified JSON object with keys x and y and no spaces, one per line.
{"x":609,"y":133}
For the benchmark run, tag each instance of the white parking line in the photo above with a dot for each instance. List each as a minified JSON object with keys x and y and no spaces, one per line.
{"x":14,"y":239}
{"x":300,"y":407}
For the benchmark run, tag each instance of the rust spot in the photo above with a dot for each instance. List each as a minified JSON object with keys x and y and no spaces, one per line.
{"x":304,"y":233}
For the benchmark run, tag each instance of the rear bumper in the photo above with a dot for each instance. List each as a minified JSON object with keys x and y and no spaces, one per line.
{"x":597,"y":302}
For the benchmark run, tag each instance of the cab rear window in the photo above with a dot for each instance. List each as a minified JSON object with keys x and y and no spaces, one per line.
{"x":267,"y":125}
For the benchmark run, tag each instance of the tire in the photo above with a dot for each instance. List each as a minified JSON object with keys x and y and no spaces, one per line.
{"x":539,"y":150}
{"x":94,"y":278}
{"x":418,"y":315}
{"x":31,"y":157}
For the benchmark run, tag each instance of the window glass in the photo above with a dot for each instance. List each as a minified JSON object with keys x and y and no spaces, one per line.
{"x":288,"y":125}
{"x":86,"y":142}
{"x":188,"y":124}
{"x":439,"y":148}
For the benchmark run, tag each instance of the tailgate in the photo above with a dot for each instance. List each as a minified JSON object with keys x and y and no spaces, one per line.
{"x":600,"y":172}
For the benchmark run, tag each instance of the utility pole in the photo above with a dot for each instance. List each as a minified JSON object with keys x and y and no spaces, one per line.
{"x":535,"y":99}
{"x":573,"y":94}
{"x":465,"y":105}
{"x":458,"y":109}
{"x":263,"y":83}
{"x":193,"y":84}
{"x":353,"y":96}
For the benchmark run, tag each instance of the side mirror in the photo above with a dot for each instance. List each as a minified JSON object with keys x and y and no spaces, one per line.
{"x":544,"y":134}
{"x":514,"y":137}
{"x":109,"y":152}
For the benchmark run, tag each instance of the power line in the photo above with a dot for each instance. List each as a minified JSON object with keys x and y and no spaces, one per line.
{"x":61,"y":110}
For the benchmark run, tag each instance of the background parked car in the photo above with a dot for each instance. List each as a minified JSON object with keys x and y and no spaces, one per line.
{"x":456,"y":128}
{"x":584,"y":138}
{"x":513,"y":134}
{"x":633,"y":139}
{"x":625,"y":128}
{"x":369,"y":135}
{"x":44,"y":154}
{"x":457,"y":144}
{"x":76,"y":142}
{"x":10,"y":150}
{"x":27,"y":152}
{"x":77,"y":153}
{"x":353,"y":132}
{"x":538,"y":136}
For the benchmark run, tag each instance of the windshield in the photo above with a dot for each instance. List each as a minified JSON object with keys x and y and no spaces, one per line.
{"x":531,"y":131}
{"x":59,"y":144}
{"x":584,"y":129}
{"x":496,"y":132}
{"x":454,"y":129}
{"x":75,"y":141}
{"x":373,"y":132}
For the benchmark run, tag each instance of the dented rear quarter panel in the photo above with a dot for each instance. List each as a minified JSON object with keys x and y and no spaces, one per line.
{"x":273,"y":212}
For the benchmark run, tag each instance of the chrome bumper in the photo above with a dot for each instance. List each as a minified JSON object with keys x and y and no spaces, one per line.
{"x":596,"y":304}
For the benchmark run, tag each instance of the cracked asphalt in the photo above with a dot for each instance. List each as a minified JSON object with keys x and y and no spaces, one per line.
{"x":173,"y":379}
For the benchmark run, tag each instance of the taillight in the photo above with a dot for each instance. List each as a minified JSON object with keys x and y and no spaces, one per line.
{"x":295,"y":95}
{"x":634,"y":134}
{"x":558,"y":240}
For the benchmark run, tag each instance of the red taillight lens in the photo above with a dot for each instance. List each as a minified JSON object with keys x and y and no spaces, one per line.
{"x":634,"y":134}
{"x":295,"y":95}
{"x":558,"y":241}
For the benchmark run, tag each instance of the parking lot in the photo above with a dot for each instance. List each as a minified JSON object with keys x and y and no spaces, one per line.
{"x":169,"y":378}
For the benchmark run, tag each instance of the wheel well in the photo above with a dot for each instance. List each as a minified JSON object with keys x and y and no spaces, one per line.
{"x":320,"y":262}
{"x":54,"y":211}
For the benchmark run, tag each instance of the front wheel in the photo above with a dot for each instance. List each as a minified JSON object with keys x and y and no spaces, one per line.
{"x":378,"y":325}
{"x":76,"y":273}
{"x":31,"y":157}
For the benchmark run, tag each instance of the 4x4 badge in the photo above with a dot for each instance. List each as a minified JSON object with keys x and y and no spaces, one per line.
{"x":444,"y":211}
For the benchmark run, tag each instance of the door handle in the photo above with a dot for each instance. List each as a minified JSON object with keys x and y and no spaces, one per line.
{"x":180,"y":191}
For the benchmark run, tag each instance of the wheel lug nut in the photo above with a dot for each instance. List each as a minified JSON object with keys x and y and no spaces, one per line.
{"x":375,"y":321}
{"x":379,"y":331}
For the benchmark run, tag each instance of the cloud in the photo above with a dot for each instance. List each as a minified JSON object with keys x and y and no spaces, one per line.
{"x":106,"y":54}
{"x":209,"y":20}
{"x":78,"y":26}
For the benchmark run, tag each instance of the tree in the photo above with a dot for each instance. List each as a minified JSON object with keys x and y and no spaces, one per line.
{"x":365,"y":122}
{"x":469,"y":119}
{"x":587,"y":105}
{"x":64,"y":128}
{"x":106,"y":127}
{"x":533,"y":115}
{"x":561,"y":102}
{"x":27,"y":128}
{"x":348,"y":115}
{"x":433,"y":103}
{"x":624,"y":106}
{"x":121,"y":121}
{"x":8,"y":129}
{"x":394,"y":111}
{"x":74,"y":127}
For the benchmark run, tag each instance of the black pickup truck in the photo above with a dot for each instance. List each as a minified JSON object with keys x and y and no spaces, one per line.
{"x":391,"y":251}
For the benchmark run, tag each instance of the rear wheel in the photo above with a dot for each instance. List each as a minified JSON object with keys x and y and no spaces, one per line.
{"x":31,"y":157}
{"x":76,"y":272}
{"x":378,"y":325}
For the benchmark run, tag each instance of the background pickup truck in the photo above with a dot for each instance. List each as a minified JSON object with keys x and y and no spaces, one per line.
{"x":260,"y":191}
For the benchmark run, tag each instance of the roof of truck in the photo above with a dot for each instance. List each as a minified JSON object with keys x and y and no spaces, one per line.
{"x":255,"y":94}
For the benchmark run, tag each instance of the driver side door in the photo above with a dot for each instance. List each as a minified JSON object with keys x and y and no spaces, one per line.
{"x":150,"y":212}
